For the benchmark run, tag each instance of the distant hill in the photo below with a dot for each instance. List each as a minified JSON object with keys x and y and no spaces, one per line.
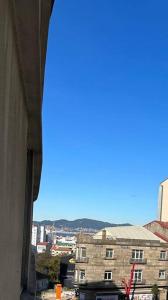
{"x":79,"y":223}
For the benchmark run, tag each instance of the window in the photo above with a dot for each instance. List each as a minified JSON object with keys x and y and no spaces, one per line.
{"x":76,"y":275}
{"x":137,"y":276}
{"x":163,"y":255}
{"x":108,"y":275}
{"x":77,"y":253}
{"x":83,"y":252}
{"x":162,"y":274}
{"x":82,"y":274}
{"x":109,"y":253}
{"x":137,"y":254}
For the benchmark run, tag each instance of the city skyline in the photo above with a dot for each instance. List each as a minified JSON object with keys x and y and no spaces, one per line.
{"x":105,"y":111}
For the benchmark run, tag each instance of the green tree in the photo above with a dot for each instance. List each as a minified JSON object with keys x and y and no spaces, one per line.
{"x":155,"y":291}
{"x":49,"y":265}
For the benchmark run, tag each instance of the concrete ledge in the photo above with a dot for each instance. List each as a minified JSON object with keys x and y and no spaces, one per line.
{"x":31,"y":22}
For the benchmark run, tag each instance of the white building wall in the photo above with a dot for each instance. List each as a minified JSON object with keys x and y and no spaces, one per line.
{"x":34,"y":235}
{"x":42,"y":234}
{"x":163,"y":201}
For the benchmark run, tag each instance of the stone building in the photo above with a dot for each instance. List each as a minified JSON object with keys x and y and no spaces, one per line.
{"x":23,"y":41}
{"x":104,"y":260}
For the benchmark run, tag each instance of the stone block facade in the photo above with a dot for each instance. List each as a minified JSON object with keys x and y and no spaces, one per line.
{"x":120,"y":261}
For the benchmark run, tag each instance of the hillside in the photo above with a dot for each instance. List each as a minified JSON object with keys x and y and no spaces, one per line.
{"x":79,"y":223}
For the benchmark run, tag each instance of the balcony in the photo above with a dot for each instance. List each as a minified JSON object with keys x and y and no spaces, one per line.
{"x":163,"y":258}
{"x":141,"y":261}
{"x":82,"y":260}
{"x":163,"y":279}
{"x":110,"y":258}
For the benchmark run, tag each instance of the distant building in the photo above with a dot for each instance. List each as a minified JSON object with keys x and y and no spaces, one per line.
{"x":163,"y":201}
{"x":59,"y":251}
{"x":38,"y":234}
{"x":66,"y":242}
{"x":105,"y":259}
{"x":42,"y":234}
{"x":43,"y":247}
{"x":35,"y":234}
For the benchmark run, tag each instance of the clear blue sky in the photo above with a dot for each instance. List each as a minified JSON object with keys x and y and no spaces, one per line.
{"x":105,"y":112}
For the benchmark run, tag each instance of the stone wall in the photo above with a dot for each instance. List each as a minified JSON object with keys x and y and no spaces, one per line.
{"x":120,"y":265}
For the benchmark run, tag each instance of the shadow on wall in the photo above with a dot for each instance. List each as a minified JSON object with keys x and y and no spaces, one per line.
{"x":102,"y":290}
{"x":67,"y":271}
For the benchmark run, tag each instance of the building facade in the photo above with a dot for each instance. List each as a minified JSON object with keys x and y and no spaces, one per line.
{"x":38,"y":234}
{"x":105,"y":260}
{"x":60,"y":251}
{"x":43,"y":247}
{"x":23,"y":42}
{"x":163,"y":201}
{"x":42,"y":234}
{"x":35,"y":234}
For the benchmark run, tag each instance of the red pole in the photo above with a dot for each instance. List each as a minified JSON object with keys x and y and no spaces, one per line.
{"x":131,"y":279}
{"x":130,"y":282}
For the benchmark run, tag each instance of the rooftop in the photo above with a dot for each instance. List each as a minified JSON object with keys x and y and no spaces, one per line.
{"x":57,"y":248}
{"x":163,"y":237}
{"x":128,"y":232}
{"x":161,"y":223}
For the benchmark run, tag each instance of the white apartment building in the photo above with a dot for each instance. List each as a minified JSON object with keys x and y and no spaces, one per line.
{"x":34,"y":235}
{"x":42,"y":234}
{"x":38,"y":234}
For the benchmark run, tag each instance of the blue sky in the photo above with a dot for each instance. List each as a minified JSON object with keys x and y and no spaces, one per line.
{"x":105,"y":112}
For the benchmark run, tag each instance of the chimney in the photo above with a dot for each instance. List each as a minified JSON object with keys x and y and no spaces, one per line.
{"x":103,"y":234}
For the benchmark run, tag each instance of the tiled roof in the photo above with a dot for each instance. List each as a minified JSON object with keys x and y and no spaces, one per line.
{"x":128,"y":232}
{"x":56,"y":248}
{"x":161,"y":236}
{"x":162,"y":224}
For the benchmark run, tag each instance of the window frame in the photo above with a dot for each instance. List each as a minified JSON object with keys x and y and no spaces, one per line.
{"x":164,"y":272}
{"x":81,"y":252}
{"x":77,"y":252}
{"x":161,"y":252}
{"x":76,"y":275}
{"x":108,"y":272}
{"x":109,"y":250}
{"x":137,"y":254}
{"x":138,"y":272}
{"x":80,"y":272}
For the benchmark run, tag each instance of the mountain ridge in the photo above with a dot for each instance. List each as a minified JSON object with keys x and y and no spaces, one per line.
{"x":79,"y":223}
